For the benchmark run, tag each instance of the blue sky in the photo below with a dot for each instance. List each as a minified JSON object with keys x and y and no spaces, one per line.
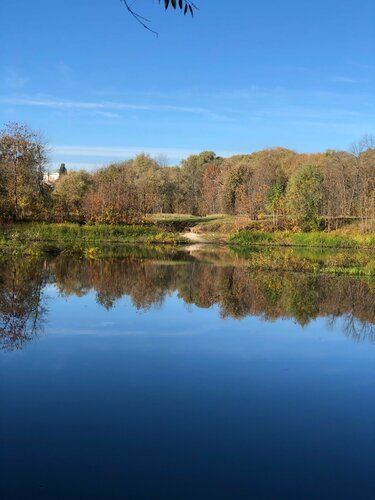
{"x":234,"y":79}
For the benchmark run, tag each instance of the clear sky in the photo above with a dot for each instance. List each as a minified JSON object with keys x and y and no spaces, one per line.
{"x":238,"y":77}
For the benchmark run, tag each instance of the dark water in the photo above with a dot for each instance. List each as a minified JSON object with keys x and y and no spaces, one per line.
{"x":169,"y":375}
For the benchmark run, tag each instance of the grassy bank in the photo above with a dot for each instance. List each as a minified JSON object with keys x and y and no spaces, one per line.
{"x":183,"y":222}
{"x":311,"y":252}
{"x":70,"y":237}
{"x":334,"y":239}
{"x":240,"y":230}
{"x":167,"y":229}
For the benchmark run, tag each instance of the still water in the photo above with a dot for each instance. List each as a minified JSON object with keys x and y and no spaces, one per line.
{"x":176,"y":375}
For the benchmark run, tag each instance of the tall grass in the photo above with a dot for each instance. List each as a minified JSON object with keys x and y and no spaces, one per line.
{"x":75,"y":233}
{"x":313,"y":239}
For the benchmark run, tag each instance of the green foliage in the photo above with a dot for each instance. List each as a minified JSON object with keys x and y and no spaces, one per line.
{"x":275,"y":198}
{"x":304,"y":197}
{"x":249,"y":238}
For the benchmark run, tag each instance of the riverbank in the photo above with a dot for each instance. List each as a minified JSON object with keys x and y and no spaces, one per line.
{"x":179,"y":229}
{"x":240,"y":231}
{"x":317,"y":239}
{"x":75,"y":238}
{"x":315,"y":253}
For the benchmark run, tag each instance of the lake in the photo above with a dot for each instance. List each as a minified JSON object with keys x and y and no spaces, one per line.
{"x":163,"y":373}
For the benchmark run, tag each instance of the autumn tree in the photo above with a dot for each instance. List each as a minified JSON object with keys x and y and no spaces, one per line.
{"x":264,"y":174}
{"x":364,"y":161}
{"x":114,"y":198}
{"x":275,"y":198}
{"x":304,"y":197}
{"x":233,"y":170}
{"x":212,"y":186}
{"x":192,"y":170}
{"x":145,"y":174}
{"x":367,"y":187}
{"x":168,"y":189}
{"x":22,"y":161}
{"x":69,"y":196}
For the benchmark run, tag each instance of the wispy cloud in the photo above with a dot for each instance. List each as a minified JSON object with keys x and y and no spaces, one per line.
{"x":307,"y":113}
{"x":91,"y":105}
{"x":346,"y":79}
{"x":107,"y":114}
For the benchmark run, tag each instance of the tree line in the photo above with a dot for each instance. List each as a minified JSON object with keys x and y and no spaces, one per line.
{"x":289,"y":189}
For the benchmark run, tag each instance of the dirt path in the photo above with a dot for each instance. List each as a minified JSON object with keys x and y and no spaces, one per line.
{"x":194,"y":237}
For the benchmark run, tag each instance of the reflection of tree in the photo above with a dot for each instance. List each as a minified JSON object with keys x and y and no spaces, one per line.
{"x":358,"y":330}
{"x":21,"y":302}
{"x":354,"y":328}
{"x":302,"y":297}
{"x":147,"y":284}
{"x":148,"y":281}
{"x":238,"y":293}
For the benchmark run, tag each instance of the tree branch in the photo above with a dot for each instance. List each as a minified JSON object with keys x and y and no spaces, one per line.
{"x":184,"y":5}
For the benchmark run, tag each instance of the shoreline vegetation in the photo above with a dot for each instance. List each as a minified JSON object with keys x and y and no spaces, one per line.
{"x":175,"y":229}
{"x":340,"y":252}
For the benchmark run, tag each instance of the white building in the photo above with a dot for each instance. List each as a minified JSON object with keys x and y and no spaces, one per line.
{"x":50,"y":178}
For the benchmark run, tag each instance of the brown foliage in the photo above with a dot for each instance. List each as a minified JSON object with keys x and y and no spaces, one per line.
{"x":253,"y":185}
{"x":22,"y":160}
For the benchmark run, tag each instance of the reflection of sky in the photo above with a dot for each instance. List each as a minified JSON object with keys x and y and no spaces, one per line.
{"x":176,"y":392}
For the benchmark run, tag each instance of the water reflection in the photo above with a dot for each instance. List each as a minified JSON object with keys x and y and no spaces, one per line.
{"x":202,"y":279}
{"x":22,"y":304}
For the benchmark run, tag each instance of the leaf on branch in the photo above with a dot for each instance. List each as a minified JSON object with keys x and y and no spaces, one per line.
{"x":183,"y":5}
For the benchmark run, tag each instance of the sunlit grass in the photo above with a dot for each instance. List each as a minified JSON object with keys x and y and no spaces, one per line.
{"x":334,"y":239}
{"x":82,"y":234}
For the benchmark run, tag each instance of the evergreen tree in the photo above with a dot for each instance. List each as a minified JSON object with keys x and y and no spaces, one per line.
{"x":62,"y":169}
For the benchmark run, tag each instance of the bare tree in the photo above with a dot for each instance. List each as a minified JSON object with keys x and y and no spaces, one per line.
{"x":364,"y":183}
